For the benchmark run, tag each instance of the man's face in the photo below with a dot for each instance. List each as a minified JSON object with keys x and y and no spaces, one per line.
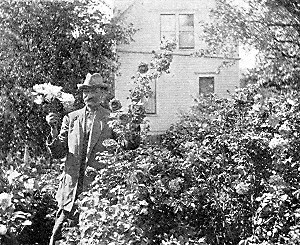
{"x":93,"y":97}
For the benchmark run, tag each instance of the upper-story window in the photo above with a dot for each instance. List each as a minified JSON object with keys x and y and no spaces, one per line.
{"x":186,"y":31}
{"x":168,"y":27}
{"x":179,"y":28}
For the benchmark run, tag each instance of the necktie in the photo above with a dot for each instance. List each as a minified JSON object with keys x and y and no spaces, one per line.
{"x":89,"y":121}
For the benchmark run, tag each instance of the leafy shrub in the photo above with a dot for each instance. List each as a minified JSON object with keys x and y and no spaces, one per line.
{"x":21,"y":122}
{"x":141,"y":197}
{"x":227,"y":173}
{"x":112,"y":210}
{"x":43,"y":42}
{"x":27,"y":200}
{"x":247,"y":148}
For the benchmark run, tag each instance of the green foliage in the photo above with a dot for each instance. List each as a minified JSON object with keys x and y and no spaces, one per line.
{"x":271,"y":27}
{"x":21,"y":122}
{"x":27,"y":200}
{"x":58,"y":42}
{"x":227,"y":173}
{"x":55,"y":42}
{"x":140,"y":197}
{"x":115,"y":203}
{"x":127,"y":124}
{"x":247,"y":149}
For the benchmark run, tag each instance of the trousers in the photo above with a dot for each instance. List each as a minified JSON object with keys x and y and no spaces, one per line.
{"x":61,"y":217}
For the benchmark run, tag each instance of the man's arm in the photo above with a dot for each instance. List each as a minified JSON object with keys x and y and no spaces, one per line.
{"x":57,"y":143}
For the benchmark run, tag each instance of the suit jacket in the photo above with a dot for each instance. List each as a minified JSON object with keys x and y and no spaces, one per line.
{"x":70,"y":144}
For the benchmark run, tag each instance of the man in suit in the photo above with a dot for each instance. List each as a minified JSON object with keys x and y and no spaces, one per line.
{"x":80,"y":138}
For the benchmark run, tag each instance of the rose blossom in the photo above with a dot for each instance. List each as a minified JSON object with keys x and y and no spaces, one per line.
{"x":115,"y":105}
{"x":277,"y":141}
{"x":3,"y":230}
{"x":5,"y":200}
{"x":242,"y":188}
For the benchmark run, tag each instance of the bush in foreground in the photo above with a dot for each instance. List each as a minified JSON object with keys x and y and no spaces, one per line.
{"x":27,"y":205}
{"x":248,"y":150}
{"x":227,"y":173}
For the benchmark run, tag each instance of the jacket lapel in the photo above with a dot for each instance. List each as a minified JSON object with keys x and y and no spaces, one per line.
{"x":80,"y":127}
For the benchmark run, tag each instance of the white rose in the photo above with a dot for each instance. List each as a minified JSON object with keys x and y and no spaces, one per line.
{"x":5,"y":200}
{"x":256,"y":107}
{"x":29,"y":184}
{"x":3,"y":230}
{"x":242,"y":188}
{"x":291,"y":102}
{"x":277,"y":141}
{"x":285,"y":127}
{"x":257,"y":97}
{"x":39,"y":99}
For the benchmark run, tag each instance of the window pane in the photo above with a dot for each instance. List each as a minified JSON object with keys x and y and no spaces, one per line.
{"x":186,"y":40}
{"x":168,"y":36}
{"x":167,"y":22}
{"x":186,"y":20}
{"x":186,"y":31}
{"x":206,"y":85}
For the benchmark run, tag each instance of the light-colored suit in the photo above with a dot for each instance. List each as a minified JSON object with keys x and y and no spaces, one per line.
{"x":70,"y":143}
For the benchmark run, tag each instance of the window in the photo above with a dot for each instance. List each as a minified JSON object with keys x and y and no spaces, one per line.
{"x":186,"y":31}
{"x":167,"y":27}
{"x":178,"y":27}
{"x":150,"y":103}
{"x":206,"y":85}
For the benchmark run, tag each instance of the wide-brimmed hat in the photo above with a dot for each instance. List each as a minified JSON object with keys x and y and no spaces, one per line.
{"x":93,"y":81}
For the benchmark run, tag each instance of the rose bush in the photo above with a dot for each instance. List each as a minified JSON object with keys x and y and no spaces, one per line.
{"x":247,"y":150}
{"x":131,"y":123}
{"x":27,"y":203}
{"x":141,"y":197}
{"x":227,"y":173}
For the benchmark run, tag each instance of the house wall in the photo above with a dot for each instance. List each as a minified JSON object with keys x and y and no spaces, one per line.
{"x":175,"y":91}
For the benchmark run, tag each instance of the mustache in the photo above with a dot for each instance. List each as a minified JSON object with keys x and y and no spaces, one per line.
{"x":92,"y":99}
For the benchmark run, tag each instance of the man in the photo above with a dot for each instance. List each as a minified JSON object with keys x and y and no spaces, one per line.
{"x":80,"y":138}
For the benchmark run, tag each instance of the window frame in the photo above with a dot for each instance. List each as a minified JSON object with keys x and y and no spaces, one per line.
{"x":160,"y":23}
{"x":177,"y":28}
{"x":186,"y":29}
{"x":214,"y":83}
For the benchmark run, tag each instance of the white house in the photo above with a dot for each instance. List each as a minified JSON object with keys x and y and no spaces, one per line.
{"x":189,"y":75}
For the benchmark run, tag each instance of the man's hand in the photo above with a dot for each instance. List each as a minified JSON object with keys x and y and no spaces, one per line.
{"x":53,"y":121}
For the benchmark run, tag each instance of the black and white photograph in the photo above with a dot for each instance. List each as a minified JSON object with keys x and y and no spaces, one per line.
{"x":149,"y":122}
